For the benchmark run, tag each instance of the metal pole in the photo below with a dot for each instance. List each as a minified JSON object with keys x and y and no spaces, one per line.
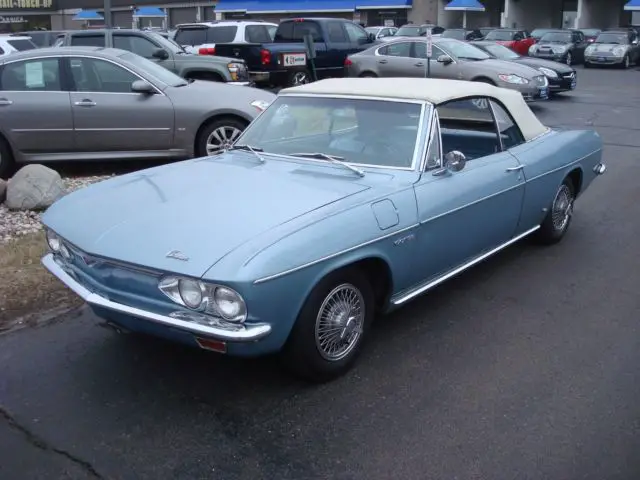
{"x":429,"y":52}
{"x":107,"y":14}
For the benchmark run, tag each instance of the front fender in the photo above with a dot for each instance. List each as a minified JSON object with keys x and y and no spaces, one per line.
{"x":219,"y":70}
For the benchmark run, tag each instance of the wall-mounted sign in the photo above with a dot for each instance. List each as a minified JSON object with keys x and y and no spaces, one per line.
{"x":27,"y":4}
{"x":11,"y":19}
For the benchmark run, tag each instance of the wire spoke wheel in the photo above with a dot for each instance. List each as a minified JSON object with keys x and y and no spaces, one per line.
{"x":562,"y":208}
{"x":340,"y":321}
{"x":221,"y":138}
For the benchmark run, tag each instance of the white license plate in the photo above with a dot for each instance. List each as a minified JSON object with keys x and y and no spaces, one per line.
{"x":294,"y":59}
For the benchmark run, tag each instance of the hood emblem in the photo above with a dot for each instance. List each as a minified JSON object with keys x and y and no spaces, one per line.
{"x":177,"y":255}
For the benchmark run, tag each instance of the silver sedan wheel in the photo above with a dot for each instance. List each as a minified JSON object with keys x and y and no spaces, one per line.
{"x":569,"y":59}
{"x":627,"y":61}
{"x":340,"y":322}
{"x":562,"y":208}
{"x":221,"y":138}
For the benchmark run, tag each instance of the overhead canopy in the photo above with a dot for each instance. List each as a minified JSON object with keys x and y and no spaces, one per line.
{"x":633,"y":6}
{"x":149,"y":12}
{"x":88,"y":15}
{"x":465,"y":6}
{"x":382,"y":4}
{"x":302,"y":6}
{"x":233,"y":6}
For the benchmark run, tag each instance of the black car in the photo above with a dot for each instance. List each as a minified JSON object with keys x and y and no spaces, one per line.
{"x":462,"y":34}
{"x":565,"y":46}
{"x":561,"y":77}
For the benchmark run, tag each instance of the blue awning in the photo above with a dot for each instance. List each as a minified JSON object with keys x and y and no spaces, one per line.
{"x":88,"y":15}
{"x":302,"y":6}
{"x":633,"y":6}
{"x":149,"y":12}
{"x":382,"y":4}
{"x":234,"y":6}
{"x":465,"y":6}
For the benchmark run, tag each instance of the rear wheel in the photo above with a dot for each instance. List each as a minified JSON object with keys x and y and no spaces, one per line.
{"x":569,"y":59}
{"x":7,"y":165}
{"x":328,"y":334}
{"x":559,"y":216}
{"x":626,"y":62}
{"x":299,"y":77}
{"x":218,"y":134}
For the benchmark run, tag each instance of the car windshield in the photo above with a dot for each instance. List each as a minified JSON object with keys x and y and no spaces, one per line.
{"x":590,"y":32}
{"x":463,"y":50}
{"x":457,"y":34}
{"x":359,"y":131}
{"x":151,"y":68}
{"x":167,"y":43}
{"x":22,"y":44}
{"x":556,"y":37}
{"x":500,"y":35}
{"x":619,"y":38}
{"x":500,"y":51}
{"x":410,"y":31}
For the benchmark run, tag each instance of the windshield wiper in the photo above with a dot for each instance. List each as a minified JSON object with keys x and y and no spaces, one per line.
{"x":251,"y":149}
{"x":331,"y":158}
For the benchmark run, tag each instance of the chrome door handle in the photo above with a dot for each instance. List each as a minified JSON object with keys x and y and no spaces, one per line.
{"x":4,"y":101}
{"x":419,"y":64}
{"x":515,"y":169}
{"x":85,"y":103}
{"x":382,"y":61}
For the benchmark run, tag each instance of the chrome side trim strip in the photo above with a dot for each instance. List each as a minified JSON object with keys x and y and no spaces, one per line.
{"x":42,"y":130}
{"x":452,"y":273}
{"x":224,"y":331}
{"x":333,"y":255}
{"x":123,"y":129}
{"x":563,"y":167}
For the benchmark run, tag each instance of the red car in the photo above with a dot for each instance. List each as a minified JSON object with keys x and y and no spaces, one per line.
{"x":517,"y":40}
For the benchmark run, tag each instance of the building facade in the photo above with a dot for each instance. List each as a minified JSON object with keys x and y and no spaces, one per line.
{"x":20,"y":15}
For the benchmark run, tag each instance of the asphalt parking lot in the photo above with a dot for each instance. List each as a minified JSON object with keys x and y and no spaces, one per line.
{"x":526,"y":367}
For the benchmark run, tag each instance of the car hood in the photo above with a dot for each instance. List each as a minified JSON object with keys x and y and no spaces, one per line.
{"x":541,"y":62}
{"x":605,"y":47}
{"x":203,"y":208}
{"x":498,"y":67}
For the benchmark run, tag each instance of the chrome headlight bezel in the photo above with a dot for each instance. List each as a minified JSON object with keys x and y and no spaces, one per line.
{"x":513,"y":79}
{"x":619,"y":51}
{"x":207,"y":298}
{"x":547,"y":72}
{"x":56,"y":244}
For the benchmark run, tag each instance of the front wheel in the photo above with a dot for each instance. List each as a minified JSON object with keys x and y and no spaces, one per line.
{"x":569,"y":59}
{"x":328,"y":334}
{"x":218,"y":135}
{"x":626,"y":62}
{"x":558,"y":219}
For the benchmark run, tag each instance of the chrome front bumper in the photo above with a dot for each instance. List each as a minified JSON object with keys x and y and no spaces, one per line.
{"x":224,"y":331}
{"x":242,"y":84}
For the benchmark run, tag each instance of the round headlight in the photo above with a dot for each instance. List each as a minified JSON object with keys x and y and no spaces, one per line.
{"x":230,"y":305}
{"x":54,"y":241}
{"x":190,"y":293}
{"x":65,"y":251}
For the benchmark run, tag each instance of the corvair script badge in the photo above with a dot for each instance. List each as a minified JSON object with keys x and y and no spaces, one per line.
{"x":177,"y":255}
{"x":403,"y":240}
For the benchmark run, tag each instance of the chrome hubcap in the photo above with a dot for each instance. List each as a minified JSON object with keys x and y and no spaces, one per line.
{"x":339,"y":322}
{"x":300,"y":78}
{"x":221,"y":138}
{"x":562,"y":208}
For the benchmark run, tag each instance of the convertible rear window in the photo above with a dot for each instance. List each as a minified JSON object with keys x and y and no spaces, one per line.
{"x":366,"y":132}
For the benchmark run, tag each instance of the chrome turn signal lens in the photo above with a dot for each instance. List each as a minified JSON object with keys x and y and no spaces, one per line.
{"x":54,"y":242}
{"x":207,"y":298}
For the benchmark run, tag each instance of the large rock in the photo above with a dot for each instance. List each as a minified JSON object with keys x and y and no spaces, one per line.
{"x":3,"y":190}
{"x":34,"y":187}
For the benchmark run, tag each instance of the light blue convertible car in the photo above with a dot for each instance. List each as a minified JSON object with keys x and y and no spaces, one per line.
{"x":345,"y":198}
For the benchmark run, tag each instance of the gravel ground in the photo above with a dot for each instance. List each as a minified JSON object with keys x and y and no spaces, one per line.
{"x":20,"y":223}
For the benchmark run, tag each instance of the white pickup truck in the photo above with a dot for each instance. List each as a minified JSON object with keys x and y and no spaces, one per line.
{"x":201,"y":38}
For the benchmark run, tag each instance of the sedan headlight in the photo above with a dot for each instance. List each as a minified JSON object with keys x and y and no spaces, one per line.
{"x":261,"y":105}
{"x":559,"y":49}
{"x":207,"y":298}
{"x":547,"y":72}
{"x":619,"y":51}
{"x":235,"y":69}
{"x":512,"y":78}
{"x":57,"y":245}
{"x":532,"y":49}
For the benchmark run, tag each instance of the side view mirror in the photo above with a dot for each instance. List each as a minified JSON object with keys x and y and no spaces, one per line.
{"x":634,"y":42}
{"x":160,"y":54}
{"x":140,"y":86}
{"x":372,"y":37}
{"x":454,"y":161}
{"x":446,"y":59}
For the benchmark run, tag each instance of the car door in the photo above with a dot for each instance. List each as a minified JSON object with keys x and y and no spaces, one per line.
{"x":394,"y":60}
{"x":143,"y":46}
{"x":436,"y":69}
{"x":579,"y":46}
{"x":337,"y":42}
{"x":109,"y":117}
{"x":466,"y":213}
{"x":358,"y":38}
{"x":35,"y":108}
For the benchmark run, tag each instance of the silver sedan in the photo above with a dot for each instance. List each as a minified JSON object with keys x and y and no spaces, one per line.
{"x":451,"y":59}
{"x":90,"y":103}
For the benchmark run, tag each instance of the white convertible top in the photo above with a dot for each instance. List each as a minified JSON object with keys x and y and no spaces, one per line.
{"x":431,"y":90}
